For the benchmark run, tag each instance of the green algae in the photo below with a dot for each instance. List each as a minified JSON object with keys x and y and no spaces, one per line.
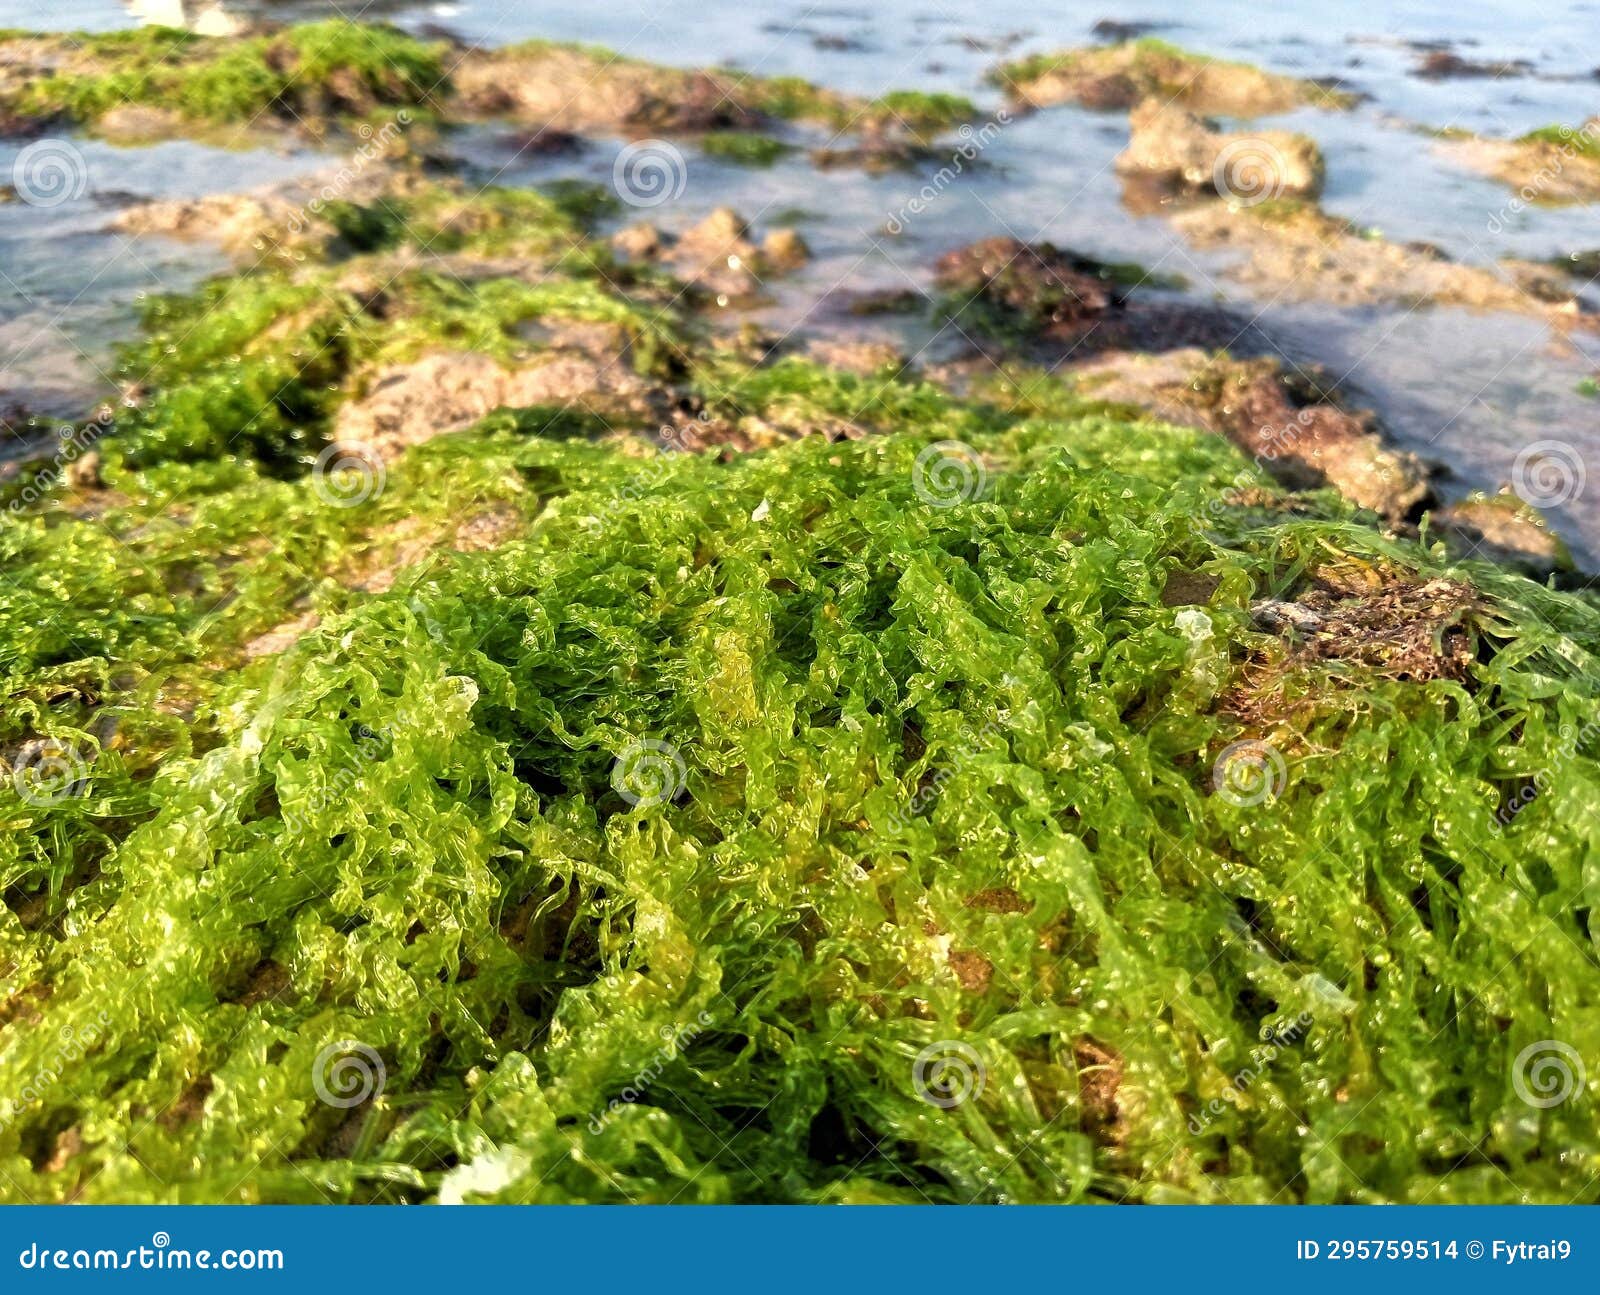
{"x":255,"y":365}
{"x":1580,"y":141}
{"x":745,"y":148}
{"x":303,"y":73}
{"x":1151,"y":66}
{"x":947,"y":791}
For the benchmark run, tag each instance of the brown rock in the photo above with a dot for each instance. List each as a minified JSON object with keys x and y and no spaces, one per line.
{"x":1185,"y":153}
{"x":1502,"y":529}
{"x":408,"y":404}
{"x":1034,"y":287}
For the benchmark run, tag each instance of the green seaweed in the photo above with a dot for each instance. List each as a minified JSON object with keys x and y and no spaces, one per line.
{"x":1582,"y":141}
{"x":303,"y":72}
{"x":745,"y":148}
{"x":946,"y":808}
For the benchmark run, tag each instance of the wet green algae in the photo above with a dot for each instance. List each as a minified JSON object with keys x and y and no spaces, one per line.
{"x":947,"y":791}
{"x":312,"y":76}
{"x":948,"y":717}
{"x":301,"y":73}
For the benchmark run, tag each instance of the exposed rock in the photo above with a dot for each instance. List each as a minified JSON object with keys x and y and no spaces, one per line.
{"x":1117,"y":31}
{"x":1289,"y":424}
{"x":855,"y":355}
{"x":1442,"y":65}
{"x":1380,"y":619}
{"x":876,"y":154}
{"x":719,"y":256}
{"x":236,"y":222}
{"x":1037,"y":288}
{"x":785,"y":250}
{"x":1502,"y":529}
{"x":1119,"y":76}
{"x":83,"y":472}
{"x":407,"y":404}
{"x":1184,"y":152}
{"x":135,"y":123}
{"x":573,"y":89}
{"x":282,"y":637}
{"x":1543,"y":170}
{"x":640,"y":242}
{"x":1296,"y":252}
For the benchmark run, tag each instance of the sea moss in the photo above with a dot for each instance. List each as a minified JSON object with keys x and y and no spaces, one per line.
{"x":936,"y":730}
{"x":255,"y":364}
{"x":1118,"y":76}
{"x":746,"y":148}
{"x":301,"y":74}
{"x":1583,"y":141}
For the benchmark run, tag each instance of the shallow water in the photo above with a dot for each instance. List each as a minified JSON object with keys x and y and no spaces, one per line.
{"x":1468,"y":390}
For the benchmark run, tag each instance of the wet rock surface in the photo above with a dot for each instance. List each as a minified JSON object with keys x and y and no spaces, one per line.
{"x":1502,"y":529}
{"x":1552,"y":167}
{"x":1032,"y":288}
{"x":1296,"y":252}
{"x":408,"y":404}
{"x":1119,"y":76}
{"x":1289,"y":424}
{"x":1185,"y":153}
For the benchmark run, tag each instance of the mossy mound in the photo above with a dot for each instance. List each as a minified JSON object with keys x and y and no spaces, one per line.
{"x":1119,"y":76}
{"x":847,"y":821}
{"x":314,"y":76}
{"x":299,"y":75}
